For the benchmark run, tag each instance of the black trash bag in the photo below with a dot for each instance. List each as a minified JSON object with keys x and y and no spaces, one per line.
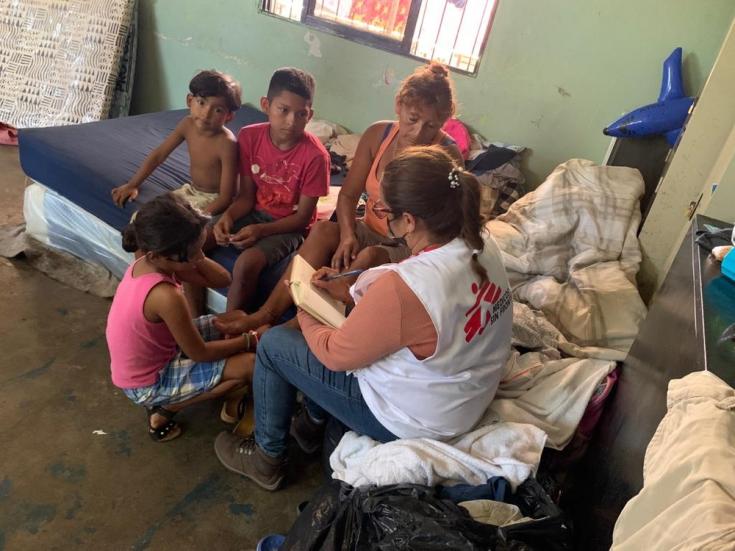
{"x":550,"y":528}
{"x":412,"y":517}
{"x":396,"y":517}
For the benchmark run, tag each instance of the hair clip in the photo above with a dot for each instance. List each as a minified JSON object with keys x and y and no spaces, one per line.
{"x":454,"y":178}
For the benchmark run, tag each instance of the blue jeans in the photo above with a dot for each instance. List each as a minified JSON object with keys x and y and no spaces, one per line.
{"x":283,"y":365}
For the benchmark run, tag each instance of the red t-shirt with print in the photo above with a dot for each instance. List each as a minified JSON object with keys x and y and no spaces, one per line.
{"x":281,"y":177}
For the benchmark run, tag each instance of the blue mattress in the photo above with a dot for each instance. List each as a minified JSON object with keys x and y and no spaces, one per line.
{"x":83,"y":162}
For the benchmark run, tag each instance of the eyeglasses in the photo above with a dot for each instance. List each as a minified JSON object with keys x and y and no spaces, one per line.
{"x":380,"y":210}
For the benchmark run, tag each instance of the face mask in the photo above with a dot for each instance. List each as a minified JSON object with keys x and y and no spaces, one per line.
{"x":399,"y":240}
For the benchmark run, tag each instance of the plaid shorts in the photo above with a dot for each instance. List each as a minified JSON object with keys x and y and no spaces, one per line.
{"x":182,"y":378}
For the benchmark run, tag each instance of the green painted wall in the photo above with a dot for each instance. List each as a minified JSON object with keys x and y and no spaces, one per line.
{"x":553,"y":75}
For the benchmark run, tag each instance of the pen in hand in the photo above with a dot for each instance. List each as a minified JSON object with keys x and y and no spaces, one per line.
{"x":343,"y":274}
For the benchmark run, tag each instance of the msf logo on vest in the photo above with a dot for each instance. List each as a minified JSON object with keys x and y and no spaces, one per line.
{"x":490,"y":303}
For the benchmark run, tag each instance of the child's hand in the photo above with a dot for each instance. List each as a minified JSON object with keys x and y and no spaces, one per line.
{"x":234,"y":322}
{"x":124,"y":193}
{"x":246,"y":237}
{"x":196,"y":258}
{"x":221,"y":230}
{"x":190,"y":265}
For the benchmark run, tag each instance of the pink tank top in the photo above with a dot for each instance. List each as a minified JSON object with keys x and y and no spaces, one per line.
{"x":139,"y":349}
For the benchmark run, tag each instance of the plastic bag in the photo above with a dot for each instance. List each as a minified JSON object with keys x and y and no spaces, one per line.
{"x":403,"y":516}
{"x":412,"y":517}
{"x":550,"y":530}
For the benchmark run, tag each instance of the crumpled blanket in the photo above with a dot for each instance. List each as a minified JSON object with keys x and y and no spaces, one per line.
{"x":509,"y":450}
{"x":345,"y":145}
{"x":58,"y":265}
{"x":543,"y":388}
{"x":500,"y":188}
{"x":324,"y":130}
{"x":571,"y":251}
{"x":550,"y":395}
{"x":688,"y":495}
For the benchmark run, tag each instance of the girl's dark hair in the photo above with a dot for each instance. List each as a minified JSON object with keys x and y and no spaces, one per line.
{"x":430,"y":85}
{"x":167,"y":225}
{"x":211,"y":83}
{"x":427,"y":183}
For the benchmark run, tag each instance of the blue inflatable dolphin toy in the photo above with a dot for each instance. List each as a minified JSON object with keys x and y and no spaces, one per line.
{"x":666,"y":116}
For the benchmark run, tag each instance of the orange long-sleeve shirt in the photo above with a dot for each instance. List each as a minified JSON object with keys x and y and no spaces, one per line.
{"x":389,"y":317}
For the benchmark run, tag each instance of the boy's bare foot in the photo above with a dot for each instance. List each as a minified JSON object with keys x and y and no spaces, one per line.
{"x":238,"y":322}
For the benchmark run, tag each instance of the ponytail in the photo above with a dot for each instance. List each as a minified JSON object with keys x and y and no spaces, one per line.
{"x":426,"y":182}
{"x":472,"y":226}
{"x":129,"y":240}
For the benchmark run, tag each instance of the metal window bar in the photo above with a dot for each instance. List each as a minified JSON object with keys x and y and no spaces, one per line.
{"x":459,"y":30}
{"x":474,"y":54}
{"x":458,"y":40}
{"x":439,"y":29}
{"x":410,"y":33}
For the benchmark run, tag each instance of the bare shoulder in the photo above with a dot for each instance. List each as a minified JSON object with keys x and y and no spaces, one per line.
{"x":185,"y":127}
{"x":164,"y":290}
{"x":377,"y":129}
{"x":161,"y":298}
{"x":373,"y":135}
{"x":226,"y":142}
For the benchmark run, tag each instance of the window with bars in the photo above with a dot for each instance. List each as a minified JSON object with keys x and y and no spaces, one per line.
{"x":452,"y":32}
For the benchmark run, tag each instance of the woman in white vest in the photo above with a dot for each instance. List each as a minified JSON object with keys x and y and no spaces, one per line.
{"x":421,"y":352}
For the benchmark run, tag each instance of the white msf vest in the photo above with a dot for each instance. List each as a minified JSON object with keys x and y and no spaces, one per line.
{"x":444,"y":395}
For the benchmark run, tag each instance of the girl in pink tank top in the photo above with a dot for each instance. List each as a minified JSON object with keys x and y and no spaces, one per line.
{"x":159,"y":356}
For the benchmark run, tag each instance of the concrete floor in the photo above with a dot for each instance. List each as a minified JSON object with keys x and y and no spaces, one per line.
{"x":77,"y":469}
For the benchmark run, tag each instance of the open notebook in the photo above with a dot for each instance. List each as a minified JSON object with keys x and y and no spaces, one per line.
{"x":312,"y":300}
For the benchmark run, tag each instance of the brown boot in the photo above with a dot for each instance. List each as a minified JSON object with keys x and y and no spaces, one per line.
{"x":243,"y":456}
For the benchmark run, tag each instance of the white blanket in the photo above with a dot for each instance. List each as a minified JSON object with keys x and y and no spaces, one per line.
{"x":499,"y":449}
{"x":551,"y":395}
{"x":571,"y":252}
{"x":688,"y":496}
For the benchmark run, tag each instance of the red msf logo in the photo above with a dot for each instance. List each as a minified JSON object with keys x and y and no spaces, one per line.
{"x":485,"y":295}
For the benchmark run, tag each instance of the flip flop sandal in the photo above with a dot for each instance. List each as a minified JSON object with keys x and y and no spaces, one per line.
{"x":166,"y":432}
{"x":226,"y":417}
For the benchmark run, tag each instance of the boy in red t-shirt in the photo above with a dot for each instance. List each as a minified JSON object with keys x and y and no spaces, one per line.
{"x":283,"y":172}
